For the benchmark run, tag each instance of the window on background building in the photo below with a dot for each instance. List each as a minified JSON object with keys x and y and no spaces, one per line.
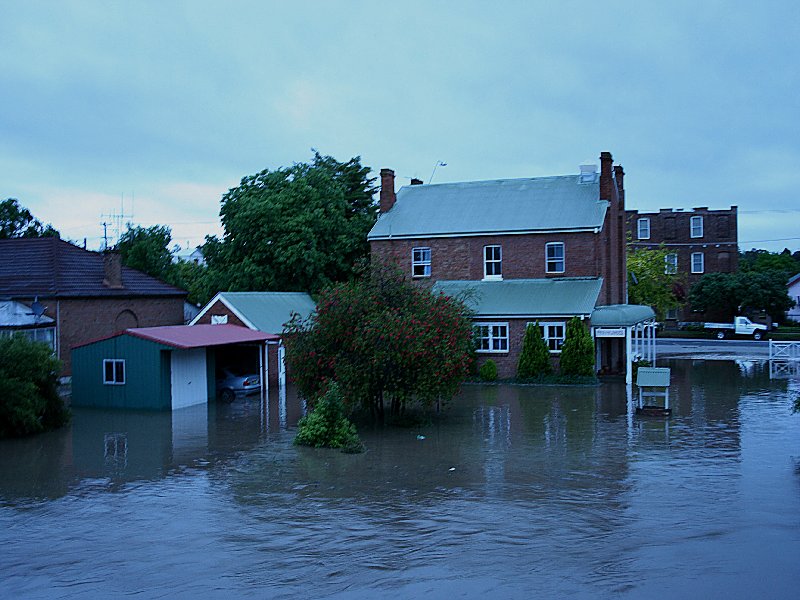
{"x":420,"y":262}
{"x":114,"y":371}
{"x":698,"y":262}
{"x":672,"y":314}
{"x":554,"y":335}
{"x":555,"y":262}
{"x":671,"y":264}
{"x":697,"y":227}
{"x":492,"y":262}
{"x":643,"y":229}
{"x":492,"y":337}
{"x":45,"y":335}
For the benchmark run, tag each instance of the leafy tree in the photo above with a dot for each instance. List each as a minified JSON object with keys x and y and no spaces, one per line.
{"x":722,"y":296}
{"x":760,"y":261}
{"x":29,"y":400}
{"x":146,"y":249}
{"x":384,"y":340}
{"x":648,"y":282}
{"x":577,"y":352}
{"x":294,"y":228}
{"x":17,"y":221}
{"x":534,"y":360}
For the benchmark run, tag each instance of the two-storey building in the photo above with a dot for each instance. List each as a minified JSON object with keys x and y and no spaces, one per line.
{"x":518,"y":251}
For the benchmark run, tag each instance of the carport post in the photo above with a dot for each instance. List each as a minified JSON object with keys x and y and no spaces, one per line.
{"x":261,"y":374}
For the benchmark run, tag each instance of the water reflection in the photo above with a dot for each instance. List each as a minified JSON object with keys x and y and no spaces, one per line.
{"x":517,"y":492}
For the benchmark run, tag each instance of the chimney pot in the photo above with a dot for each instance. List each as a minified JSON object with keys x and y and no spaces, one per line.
{"x":387,"y":197}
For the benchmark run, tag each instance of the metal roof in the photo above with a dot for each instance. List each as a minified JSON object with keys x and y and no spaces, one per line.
{"x":560,"y":297}
{"x":488,"y":207}
{"x":50,"y":267}
{"x":199,"y":336}
{"x":16,"y":314}
{"x":265,"y":311}
{"x":621,"y":315}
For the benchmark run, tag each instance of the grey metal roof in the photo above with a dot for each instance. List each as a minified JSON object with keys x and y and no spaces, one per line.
{"x":16,"y":314}
{"x":499,"y":206}
{"x":561,"y":297}
{"x":268,"y":311}
{"x":621,"y":315}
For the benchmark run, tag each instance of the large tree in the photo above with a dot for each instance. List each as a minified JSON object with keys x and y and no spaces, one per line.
{"x":722,"y":296}
{"x":760,"y":261}
{"x":17,"y":221}
{"x":146,"y":249}
{"x":294,"y":228}
{"x":649,"y":281}
{"x":387,"y":342}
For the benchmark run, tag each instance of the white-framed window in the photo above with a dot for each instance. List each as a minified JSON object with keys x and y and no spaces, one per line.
{"x":554,"y":335}
{"x":698,"y":263}
{"x":114,"y":371}
{"x":492,"y":262}
{"x":554,"y":255}
{"x":420,"y":262}
{"x":491,"y":337}
{"x":643,"y":228}
{"x":219,"y":319}
{"x":696,"y":227}
{"x":45,"y":335}
{"x":671,"y":264}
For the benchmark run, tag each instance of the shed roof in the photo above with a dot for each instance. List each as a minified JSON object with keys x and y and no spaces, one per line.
{"x":264,"y":311}
{"x":199,"y":336}
{"x":50,"y":267}
{"x":621,"y":315}
{"x":560,"y":203}
{"x":561,"y":297}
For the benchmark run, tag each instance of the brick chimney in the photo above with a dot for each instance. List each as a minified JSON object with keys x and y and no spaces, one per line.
{"x":606,"y":178}
{"x":112,"y":268}
{"x":619,"y":175}
{"x":388,"y":196}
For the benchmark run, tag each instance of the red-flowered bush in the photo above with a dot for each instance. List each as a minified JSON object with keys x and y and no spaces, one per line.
{"x":387,"y":342}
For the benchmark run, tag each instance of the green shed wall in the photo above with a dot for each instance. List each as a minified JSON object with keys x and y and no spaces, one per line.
{"x":147,"y":374}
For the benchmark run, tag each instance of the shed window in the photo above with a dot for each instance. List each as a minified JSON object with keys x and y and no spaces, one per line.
{"x":554,"y":252}
{"x":114,"y":371}
{"x":420,"y":262}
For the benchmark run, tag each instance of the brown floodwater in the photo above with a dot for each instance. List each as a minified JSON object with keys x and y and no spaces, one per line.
{"x":517,"y":492}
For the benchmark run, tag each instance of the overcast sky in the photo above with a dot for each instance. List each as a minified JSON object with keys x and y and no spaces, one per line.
{"x":156,"y":109}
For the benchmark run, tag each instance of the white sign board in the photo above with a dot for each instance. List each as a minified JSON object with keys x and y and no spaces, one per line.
{"x":616,"y":332}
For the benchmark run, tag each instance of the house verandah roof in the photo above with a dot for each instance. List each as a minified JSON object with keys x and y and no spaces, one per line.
{"x":520,"y":298}
{"x":621,"y":315}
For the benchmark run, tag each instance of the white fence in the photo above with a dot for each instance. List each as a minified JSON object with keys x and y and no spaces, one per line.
{"x":784,"y":350}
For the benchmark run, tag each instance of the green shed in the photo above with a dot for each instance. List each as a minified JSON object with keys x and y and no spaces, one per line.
{"x":157,"y":368}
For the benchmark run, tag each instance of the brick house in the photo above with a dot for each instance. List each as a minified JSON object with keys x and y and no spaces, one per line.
{"x":84,"y":295}
{"x":699,"y":241}
{"x":522,"y":250}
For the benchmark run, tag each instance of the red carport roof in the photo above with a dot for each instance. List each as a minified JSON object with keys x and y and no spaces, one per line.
{"x":200,"y":336}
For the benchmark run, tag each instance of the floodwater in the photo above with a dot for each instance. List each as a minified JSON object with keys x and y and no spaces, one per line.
{"x":519,"y":492}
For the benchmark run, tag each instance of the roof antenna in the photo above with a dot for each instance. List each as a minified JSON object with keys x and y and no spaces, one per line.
{"x":439,"y":163}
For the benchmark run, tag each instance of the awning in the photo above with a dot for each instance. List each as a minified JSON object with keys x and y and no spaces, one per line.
{"x":621,"y":315}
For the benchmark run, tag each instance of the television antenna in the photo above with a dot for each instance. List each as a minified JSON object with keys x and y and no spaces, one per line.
{"x":439,"y":163}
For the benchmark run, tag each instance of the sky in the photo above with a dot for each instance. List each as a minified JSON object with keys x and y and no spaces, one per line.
{"x":149,"y":112}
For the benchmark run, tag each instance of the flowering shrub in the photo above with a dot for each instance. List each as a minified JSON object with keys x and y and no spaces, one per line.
{"x":385,"y":341}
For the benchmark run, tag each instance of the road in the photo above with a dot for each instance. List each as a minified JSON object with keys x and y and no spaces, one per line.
{"x":711,"y":349}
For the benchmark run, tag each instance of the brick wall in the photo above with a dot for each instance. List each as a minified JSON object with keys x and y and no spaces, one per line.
{"x":82,"y":320}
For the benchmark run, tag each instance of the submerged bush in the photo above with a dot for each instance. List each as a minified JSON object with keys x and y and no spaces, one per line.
{"x":488,"y":371}
{"x":327,"y":426}
{"x":29,"y":400}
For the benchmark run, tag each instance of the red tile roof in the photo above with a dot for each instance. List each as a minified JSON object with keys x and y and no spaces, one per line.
{"x":50,"y":267}
{"x":200,"y":336}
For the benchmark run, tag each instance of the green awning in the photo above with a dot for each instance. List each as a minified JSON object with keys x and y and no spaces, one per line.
{"x":621,"y":315}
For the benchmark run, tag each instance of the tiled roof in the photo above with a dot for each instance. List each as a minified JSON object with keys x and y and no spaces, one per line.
{"x":50,"y":267}
{"x":560,"y":297}
{"x":488,"y":207}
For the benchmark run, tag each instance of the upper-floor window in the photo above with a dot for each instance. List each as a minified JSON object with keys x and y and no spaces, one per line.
{"x":420,"y":262}
{"x":671,"y":264}
{"x":491,"y":337}
{"x":493,"y":262}
{"x":554,"y":252}
{"x":113,"y":371}
{"x":643,"y":226}
{"x":697,"y":227}
{"x":698,"y":263}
